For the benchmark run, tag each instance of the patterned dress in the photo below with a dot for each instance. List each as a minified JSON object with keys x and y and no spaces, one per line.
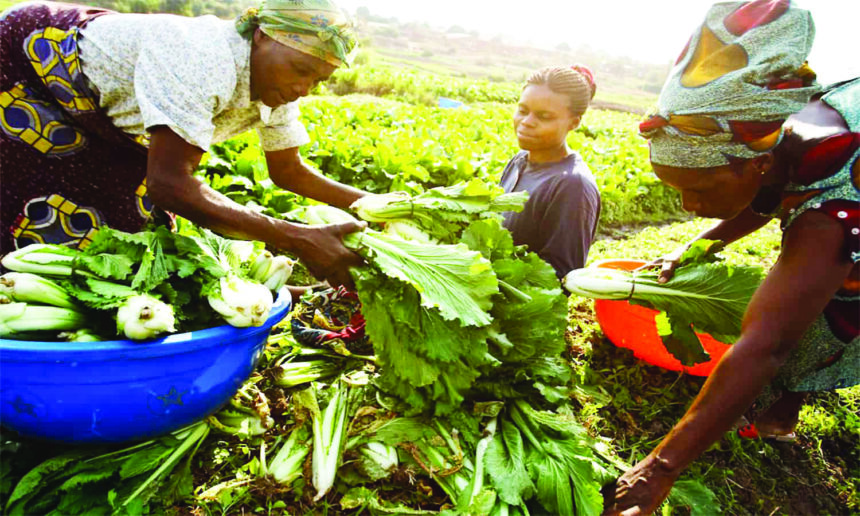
{"x":79,"y":90}
{"x":827,"y":180}
{"x":54,"y":141}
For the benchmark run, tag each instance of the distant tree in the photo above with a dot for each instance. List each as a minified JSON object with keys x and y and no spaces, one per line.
{"x":363,"y":13}
{"x":456,"y":29}
{"x":563,"y":47}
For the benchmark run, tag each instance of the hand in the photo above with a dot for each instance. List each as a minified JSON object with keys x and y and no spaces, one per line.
{"x":667,"y":263}
{"x":640,"y":490}
{"x":324,"y":254}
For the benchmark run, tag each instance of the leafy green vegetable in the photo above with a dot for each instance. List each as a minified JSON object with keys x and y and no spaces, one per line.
{"x":454,"y":280}
{"x":107,"y":482}
{"x":711,"y":296}
{"x":441,"y":212}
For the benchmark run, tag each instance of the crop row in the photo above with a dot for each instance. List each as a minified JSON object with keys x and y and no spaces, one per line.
{"x":381,"y":145}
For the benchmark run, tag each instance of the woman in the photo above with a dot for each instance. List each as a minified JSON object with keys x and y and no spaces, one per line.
{"x":745,"y":135}
{"x":102,"y":112}
{"x":559,"y":220}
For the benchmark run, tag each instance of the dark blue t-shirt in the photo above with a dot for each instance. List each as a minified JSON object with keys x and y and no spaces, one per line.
{"x":559,"y":221}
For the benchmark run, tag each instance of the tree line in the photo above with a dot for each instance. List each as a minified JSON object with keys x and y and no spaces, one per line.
{"x":220,"y":8}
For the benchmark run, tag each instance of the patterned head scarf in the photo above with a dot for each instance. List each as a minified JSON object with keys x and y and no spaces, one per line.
{"x":742,"y":73}
{"x":315,"y":27}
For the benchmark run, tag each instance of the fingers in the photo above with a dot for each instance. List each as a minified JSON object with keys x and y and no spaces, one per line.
{"x":346,"y":282}
{"x":349,"y":227}
{"x":667,"y":271}
{"x":649,"y":265}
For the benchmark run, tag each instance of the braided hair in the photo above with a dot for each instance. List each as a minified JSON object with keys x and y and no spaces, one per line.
{"x":576,"y":82}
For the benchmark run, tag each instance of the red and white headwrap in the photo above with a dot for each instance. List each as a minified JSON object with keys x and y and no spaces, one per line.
{"x":741,"y":75}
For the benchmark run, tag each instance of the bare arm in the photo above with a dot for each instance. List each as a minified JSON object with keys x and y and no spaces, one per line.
{"x":172,"y":186}
{"x":290,"y":172}
{"x":726,"y":230}
{"x":733,"y":229}
{"x":780,"y":312}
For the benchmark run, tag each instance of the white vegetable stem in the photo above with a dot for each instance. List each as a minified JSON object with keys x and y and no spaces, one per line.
{"x":329,"y":430}
{"x":43,"y":259}
{"x":31,"y":288}
{"x":21,"y":317}
{"x":144,"y":317}
{"x":241,"y":302}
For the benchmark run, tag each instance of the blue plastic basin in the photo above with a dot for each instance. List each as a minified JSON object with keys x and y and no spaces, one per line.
{"x":121,"y":390}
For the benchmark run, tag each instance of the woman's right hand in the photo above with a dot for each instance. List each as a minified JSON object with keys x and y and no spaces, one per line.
{"x":322,"y":251}
{"x":667,"y":263}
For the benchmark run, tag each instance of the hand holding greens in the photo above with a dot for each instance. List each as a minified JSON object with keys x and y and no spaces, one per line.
{"x":705,"y":295}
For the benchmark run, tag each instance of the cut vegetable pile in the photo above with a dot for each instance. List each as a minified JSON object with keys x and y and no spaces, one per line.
{"x":152,"y":283}
{"x":462,"y":383}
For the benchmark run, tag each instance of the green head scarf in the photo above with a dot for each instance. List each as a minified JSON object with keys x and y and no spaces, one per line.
{"x":315,"y":27}
{"x":742,"y":73}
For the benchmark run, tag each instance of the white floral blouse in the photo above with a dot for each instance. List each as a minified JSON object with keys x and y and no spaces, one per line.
{"x":190,"y":74}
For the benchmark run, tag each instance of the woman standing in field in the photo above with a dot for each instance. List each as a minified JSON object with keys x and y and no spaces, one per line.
{"x":745,"y":135}
{"x":559,"y":220}
{"x":103,"y":114}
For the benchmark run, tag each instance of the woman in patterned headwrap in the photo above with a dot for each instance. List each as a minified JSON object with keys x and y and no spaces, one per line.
{"x":745,"y":135}
{"x":103,"y":114}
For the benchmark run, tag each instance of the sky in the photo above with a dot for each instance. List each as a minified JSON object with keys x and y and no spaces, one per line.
{"x":645,"y":30}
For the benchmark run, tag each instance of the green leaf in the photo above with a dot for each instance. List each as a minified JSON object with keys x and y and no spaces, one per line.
{"x":364,"y":498}
{"x":712,"y":296}
{"x":403,"y":430}
{"x":680,"y":340}
{"x":450,"y":278}
{"x":553,"y":489}
{"x":586,"y":492}
{"x":144,"y":460}
{"x":32,"y":481}
{"x":506,"y":465}
{"x":112,"y":266}
{"x":701,"y":251}
{"x":86,"y":477}
{"x":489,"y":238}
{"x":109,"y":289}
{"x":693,"y":494}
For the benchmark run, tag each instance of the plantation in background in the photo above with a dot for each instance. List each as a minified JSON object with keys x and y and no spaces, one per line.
{"x":380,"y":146}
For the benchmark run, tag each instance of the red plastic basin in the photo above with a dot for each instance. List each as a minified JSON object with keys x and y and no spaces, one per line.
{"x":633,"y":327}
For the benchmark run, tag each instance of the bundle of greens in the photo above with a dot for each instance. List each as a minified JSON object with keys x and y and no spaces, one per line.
{"x":447,"y":319}
{"x":103,"y":481}
{"x":502,"y":458}
{"x":151,"y":282}
{"x":441,"y":213}
{"x":705,"y":294}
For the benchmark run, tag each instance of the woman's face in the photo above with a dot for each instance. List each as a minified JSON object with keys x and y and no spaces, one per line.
{"x":717,"y":192}
{"x":543,"y":118}
{"x":280,"y":74}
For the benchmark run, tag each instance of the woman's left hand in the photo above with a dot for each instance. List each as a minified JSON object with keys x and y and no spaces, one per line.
{"x":640,"y":490}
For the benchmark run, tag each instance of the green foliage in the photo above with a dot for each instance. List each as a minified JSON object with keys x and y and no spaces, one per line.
{"x":703,"y":294}
{"x":117,"y":482}
{"x":220,"y":8}
{"x":382,"y":146}
{"x":415,"y":86}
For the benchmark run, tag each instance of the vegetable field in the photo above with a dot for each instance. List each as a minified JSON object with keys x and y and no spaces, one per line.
{"x":498,"y":395}
{"x":381,"y":145}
